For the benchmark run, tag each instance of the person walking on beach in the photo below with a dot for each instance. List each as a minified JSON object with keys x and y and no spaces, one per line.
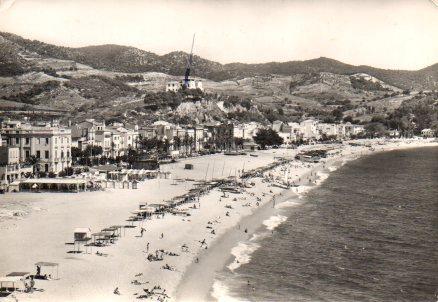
{"x":141,"y":232}
{"x":147,"y":247}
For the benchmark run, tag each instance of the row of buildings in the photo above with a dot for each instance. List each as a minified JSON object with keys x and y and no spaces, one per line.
{"x":116,"y":139}
{"x":312,"y":130}
{"x":27,"y":148}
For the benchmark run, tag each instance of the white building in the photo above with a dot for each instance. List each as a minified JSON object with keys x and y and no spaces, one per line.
{"x":353,"y":130}
{"x":247,"y":131}
{"x":178,"y":85}
{"x":309,"y":129}
{"x":427,"y":133}
{"x":116,"y":140}
{"x":50,"y":144}
{"x":84,"y":133}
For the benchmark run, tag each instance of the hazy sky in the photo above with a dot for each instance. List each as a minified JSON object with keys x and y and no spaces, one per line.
{"x":400,"y":34}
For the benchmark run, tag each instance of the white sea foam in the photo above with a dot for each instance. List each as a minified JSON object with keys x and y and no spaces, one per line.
{"x":274,"y":221}
{"x":321,"y":177}
{"x":256,"y":236}
{"x":242,"y":253}
{"x":288,"y":204}
{"x":301,"y":190}
{"x":332,"y":168}
{"x":221,"y":293}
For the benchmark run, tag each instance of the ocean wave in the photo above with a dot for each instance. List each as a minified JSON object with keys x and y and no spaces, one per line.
{"x":256,"y":236}
{"x":288,"y":204}
{"x":321,"y":177}
{"x":301,"y":190}
{"x":274,"y":221}
{"x":242,"y":253}
{"x":221,"y":293}
{"x":332,"y":168}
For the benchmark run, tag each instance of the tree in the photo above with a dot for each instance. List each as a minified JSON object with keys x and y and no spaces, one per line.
{"x":147,"y":144}
{"x":76,"y":152}
{"x":176,"y":143}
{"x":373,"y":130}
{"x":348,"y":119}
{"x":166,"y":145}
{"x":238,"y":142}
{"x":268,"y":137}
{"x":34,"y":161}
{"x":337,"y":114}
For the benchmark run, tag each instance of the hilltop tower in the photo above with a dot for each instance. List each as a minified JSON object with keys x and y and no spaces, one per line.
{"x":187,"y":82}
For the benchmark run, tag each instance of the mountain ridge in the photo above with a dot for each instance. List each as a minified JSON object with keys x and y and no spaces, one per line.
{"x":119,"y":58}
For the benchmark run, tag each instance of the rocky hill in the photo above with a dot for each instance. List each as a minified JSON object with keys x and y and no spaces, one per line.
{"x":119,"y":83}
{"x":129,"y":59}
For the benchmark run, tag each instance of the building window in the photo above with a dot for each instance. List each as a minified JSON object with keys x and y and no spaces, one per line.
{"x":47,"y":140}
{"x":27,"y":140}
{"x":38,"y":154}
{"x":27,"y":153}
{"x":46,"y":167}
{"x":17,"y":140}
{"x":46,"y":153}
{"x":62,"y":154}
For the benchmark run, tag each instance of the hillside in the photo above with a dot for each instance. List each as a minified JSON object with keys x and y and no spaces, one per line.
{"x":132,"y":60}
{"x":125,"y":84}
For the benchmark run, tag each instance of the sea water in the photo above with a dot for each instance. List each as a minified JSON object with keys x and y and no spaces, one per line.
{"x":368,"y":233}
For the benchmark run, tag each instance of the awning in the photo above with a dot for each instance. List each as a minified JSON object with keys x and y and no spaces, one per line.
{"x":42,"y":263}
{"x":18,"y":274}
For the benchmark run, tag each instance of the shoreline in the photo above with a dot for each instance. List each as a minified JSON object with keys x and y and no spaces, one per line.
{"x":202,"y":284}
{"x":86,"y":277}
{"x":198,"y":280}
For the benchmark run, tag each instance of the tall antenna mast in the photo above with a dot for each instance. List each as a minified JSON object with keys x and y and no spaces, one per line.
{"x":189,"y":64}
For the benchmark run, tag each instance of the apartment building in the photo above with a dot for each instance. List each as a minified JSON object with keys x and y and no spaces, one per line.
{"x":84,"y":133}
{"x":48,"y":143}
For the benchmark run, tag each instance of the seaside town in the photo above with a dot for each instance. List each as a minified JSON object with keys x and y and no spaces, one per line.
{"x":89,"y":155}
{"x":286,"y":155}
{"x":159,"y":178}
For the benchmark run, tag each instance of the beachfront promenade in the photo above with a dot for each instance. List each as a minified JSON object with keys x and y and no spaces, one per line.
{"x":49,"y":219}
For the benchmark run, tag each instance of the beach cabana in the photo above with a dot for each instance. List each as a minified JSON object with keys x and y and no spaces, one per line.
{"x":114,"y":230}
{"x":14,"y":281}
{"x":119,"y":229}
{"x":157,"y":207}
{"x":81,"y":236}
{"x":100,"y":238}
{"x":134,"y":184}
{"x":188,"y":166}
{"x":50,"y":265}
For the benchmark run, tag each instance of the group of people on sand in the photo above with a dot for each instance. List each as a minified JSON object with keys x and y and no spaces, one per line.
{"x":156,"y":292}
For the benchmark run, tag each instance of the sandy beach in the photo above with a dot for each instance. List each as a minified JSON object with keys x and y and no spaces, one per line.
{"x":35,"y":226}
